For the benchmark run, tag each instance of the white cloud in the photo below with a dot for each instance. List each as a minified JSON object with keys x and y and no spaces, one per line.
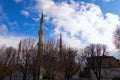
{"x":82,"y":23}
{"x":36,"y":19}
{"x":25,"y":13}
{"x":18,"y":1}
{"x":3,"y":29}
{"x":106,"y":0}
{"x":3,"y":16}
{"x":10,"y":41}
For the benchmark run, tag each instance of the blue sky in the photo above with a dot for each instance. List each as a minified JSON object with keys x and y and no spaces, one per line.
{"x":80,"y":21}
{"x":18,"y":24}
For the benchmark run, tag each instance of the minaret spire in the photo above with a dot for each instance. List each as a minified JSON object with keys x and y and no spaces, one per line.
{"x":60,"y":45}
{"x":41,"y":32}
{"x":42,"y":21}
{"x":60,"y":41}
{"x":40,"y":48}
{"x":19,"y":51}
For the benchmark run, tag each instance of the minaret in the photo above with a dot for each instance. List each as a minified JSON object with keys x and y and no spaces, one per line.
{"x":60,"y":45}
{"x":19,"y":51}
{"x":40,"y":48}
{"x":60,"y":41}
{"x":41,"y":33}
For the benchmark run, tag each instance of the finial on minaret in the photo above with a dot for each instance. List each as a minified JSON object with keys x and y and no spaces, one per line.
{"x":19,"y":50}
{"x":42,"y":21}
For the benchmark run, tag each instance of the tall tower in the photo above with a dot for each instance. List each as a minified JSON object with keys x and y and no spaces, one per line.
{"x":60,"y":41}
{"x":60,"y":45}
{"x":41,"y":33}
{"x":40,"y":48}
{"x":19,"y":51}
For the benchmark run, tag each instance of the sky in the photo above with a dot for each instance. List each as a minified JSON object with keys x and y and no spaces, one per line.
{"x":79,"y":21}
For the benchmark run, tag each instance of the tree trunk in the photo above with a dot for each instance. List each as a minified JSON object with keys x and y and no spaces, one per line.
{"x":98,"y":78}
{"x":24,"y":77}
{"x":67,"y":78}
{"x":11,"y":76}
{"x":34,"y":76}
{"x":1,"y":77}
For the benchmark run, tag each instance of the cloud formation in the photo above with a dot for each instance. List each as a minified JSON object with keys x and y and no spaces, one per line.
{"x":106,"y":0}
{"x":9,"y":41}
{"x":12,"y":41}
{"x":18,"y":1}
{"x":82,"y":23}
{"x":25,"y":13}
{"x":3,"y":29}
{"x":3,"y":16}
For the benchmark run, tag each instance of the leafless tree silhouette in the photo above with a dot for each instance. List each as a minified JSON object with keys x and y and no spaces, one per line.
{"x":68,"y":65}
{"x":116,"y":37}
{"x":26,"y":58}
{"x":50,"y":58}
{"x":93,"y":55}
{"x":7,"y":61}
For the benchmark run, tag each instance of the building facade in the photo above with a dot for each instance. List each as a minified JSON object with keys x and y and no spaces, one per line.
{"x":110,"y":69}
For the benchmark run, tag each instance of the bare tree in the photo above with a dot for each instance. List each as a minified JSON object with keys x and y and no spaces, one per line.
{"x":50,"y":58}
{"x":26,"y":58}
{"x":34,"y":62}
{"x":8,"y":62}
{"x":93,"y":55}
{"x":3,"y":63}
{"x":11,"y":56}
{"x":116,"y":37}
{"x":68,"y":64}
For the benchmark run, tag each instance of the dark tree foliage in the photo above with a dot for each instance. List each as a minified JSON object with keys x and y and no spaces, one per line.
{"x":7,"y":61}
{"x":26,"y":64}
{"x":116,"y":37}
{"x":50,"y":58}
{"x":68,"y":65}
{"x":93,"y":55}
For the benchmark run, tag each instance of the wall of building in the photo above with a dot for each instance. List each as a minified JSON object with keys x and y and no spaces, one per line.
{"x":106,"y":73}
